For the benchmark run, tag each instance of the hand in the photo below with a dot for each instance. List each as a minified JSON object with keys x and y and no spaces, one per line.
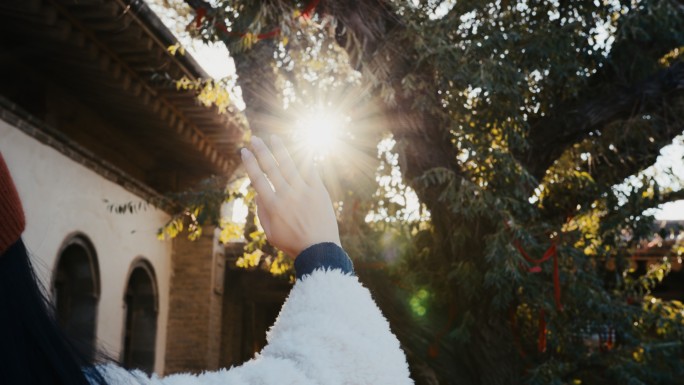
{"x":299,"y":213}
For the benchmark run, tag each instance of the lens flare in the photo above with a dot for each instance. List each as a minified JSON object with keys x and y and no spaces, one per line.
{"x":320,"y":130}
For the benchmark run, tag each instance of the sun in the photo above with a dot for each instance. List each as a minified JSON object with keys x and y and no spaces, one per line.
{"x":320,"y":130}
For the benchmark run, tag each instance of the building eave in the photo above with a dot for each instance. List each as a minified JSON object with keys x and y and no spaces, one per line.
{"x":113,"y":54}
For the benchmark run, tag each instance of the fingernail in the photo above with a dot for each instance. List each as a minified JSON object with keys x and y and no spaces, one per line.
{"x":256,"y":139}
{"x":244,"y":152}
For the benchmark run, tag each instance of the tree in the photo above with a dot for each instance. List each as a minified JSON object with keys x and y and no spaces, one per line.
{"x":514,"y":122}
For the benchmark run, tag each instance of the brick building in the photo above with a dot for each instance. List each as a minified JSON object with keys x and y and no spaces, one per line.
{"x":87,"y":114}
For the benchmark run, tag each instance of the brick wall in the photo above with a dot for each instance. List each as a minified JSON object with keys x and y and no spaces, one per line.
{"x":195,"y":305}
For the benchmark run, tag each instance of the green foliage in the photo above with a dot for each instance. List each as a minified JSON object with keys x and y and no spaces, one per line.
{"x":515,"y":123}
{"x":192,"y":208}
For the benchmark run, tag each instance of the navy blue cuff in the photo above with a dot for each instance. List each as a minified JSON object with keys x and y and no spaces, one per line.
{"x":326,"y":255}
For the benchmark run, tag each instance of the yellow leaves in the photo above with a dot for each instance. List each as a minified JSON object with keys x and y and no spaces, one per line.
{"x":671,"y":56}
{"x":178,"y":223}
{"x":588,"y":224}
{"x":248,"y":40}
{"x":583,"y":175}
{"x":185,"y":84}
{"x":667,"y":317}
{"x":194,"y":231}
{"x":276,"y":265}
{"x":171,"y":229}
{"x":648,"y":193}
{"x":176,"y":48}
{"x":638,"y":354}
{"x":230,"y":232}
{"x":250,"y":259}
{"x":212,"y":93}
{"x":280,"y":264}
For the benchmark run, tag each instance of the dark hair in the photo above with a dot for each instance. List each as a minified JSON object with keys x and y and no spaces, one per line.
{"x":33,"y":348}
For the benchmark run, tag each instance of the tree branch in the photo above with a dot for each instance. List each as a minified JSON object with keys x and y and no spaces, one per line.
{"x":551,"y":136}
{"x":671,"y":196}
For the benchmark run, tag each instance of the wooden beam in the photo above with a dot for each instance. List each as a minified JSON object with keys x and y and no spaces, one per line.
{"x":156,"y":105}
{"x":91,"y":49}
{"x":49,"y":15}
{"x":106,"y":11}
{"x":172,"y":119}
{"x":116,"y":70}
{"x":147,"y":97}
{"x":126,"y":83}
{"x":78,"y":40}
{"x":105,"y":62}
{"x":63,"y":30}
{"x":164,"y":112}
{"x":136,"y":89}
{"x":105,"y":24}
{"x":82,"y":3}
{"x":180,"y":127}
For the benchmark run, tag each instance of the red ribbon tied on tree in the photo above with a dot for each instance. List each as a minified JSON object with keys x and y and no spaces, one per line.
{"x":201,"y":13}
{"x":551,"y":252}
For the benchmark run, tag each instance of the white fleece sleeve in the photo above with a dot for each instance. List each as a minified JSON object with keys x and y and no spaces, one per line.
{"x":328,"y":332}
{"x":331,"y":329}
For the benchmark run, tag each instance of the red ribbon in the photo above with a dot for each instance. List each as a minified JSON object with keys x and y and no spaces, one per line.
{"x":201,"y":13}
{"x":541,"y":345}
{"x":306,"y":13}
{"x":549,"y":253}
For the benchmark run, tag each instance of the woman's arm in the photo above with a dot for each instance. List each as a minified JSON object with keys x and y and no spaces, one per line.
{"x":329,"y":331}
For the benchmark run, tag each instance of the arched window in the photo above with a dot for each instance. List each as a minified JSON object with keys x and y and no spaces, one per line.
{"x":140,"y":333}
{"x":76,"y":291}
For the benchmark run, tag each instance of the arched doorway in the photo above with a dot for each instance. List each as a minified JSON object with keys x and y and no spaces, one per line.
{"x":76,"y":291}
{"x":140,"y":329}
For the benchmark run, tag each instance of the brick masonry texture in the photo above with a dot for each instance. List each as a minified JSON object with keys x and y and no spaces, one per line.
{"x":195,"y":308}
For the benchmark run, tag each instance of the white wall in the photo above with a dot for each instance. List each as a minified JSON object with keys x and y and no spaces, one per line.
{"x":61,"y":197}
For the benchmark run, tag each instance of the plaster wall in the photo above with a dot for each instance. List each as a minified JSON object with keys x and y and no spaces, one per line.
{"x":63,"y":197}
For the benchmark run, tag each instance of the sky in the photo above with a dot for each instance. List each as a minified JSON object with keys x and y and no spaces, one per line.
{"x":671,"y":158}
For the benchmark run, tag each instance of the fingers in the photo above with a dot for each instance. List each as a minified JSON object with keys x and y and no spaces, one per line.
{"x":287,"y":166}
{"x":310,"y":173}
{"x":269,"y":165}
{"x":264,"y":218}
{"x":257,"y":177}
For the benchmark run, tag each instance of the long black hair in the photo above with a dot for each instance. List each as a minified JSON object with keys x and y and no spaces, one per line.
{"x":33,"y":348}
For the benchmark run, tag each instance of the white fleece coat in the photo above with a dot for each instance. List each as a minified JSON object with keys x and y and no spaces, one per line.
{"x":329,"y":332}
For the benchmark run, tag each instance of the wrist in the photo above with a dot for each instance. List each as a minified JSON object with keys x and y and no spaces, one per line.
{"x":323,"y":255}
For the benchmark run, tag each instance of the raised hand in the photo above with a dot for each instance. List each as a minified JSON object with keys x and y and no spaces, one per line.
{"x":296,"y":211}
